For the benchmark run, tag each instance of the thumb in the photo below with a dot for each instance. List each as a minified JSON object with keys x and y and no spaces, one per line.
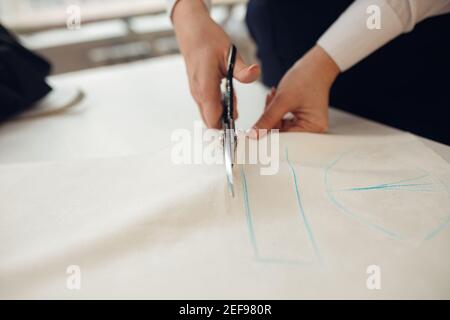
{"x":271,"y":117}
{"x":244,"y":73}
{"x":211,"y":104}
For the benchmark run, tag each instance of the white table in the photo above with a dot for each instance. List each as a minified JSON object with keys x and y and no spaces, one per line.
{"x":96,"y":193}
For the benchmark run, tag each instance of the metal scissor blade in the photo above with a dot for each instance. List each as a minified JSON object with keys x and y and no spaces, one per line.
{"x":228,"y":158}
{"x":229,"y":141}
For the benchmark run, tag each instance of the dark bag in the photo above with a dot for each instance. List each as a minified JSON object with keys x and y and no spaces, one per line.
{"x":22,"y":76}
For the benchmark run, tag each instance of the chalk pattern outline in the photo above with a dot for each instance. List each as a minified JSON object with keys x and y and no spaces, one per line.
{"x":404,"y":185}
{"x":397,"y":185}
{"x":302,"y":214}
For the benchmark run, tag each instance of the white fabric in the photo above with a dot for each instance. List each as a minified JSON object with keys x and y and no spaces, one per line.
{"x":348,"y":40}
{"x":96,"y":188}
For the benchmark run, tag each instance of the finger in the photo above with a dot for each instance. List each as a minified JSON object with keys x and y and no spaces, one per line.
{"x":298,"y":125}
{"x":291,"y":125}
{"x":210,"y":103}
{"x":244,"y":73}
{"x":296,"y":129}
{"x":270,"y":97}
{"x":235,"y":109}
{"x":271,"y":117}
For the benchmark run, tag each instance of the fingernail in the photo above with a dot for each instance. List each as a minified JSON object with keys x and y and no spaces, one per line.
{"x":252,"y":133}
{"x":253,"y":66}
{"x":262,"y":133}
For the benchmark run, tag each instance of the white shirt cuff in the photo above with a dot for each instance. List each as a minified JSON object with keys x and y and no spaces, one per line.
{"x":349,"y":39}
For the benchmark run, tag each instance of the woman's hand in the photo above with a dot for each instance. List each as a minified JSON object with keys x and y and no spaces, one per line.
{"x":304,"y":92}
{"x":205,"y":48}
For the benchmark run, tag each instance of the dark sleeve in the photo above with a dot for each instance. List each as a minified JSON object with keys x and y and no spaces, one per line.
{"x":22,"y":76}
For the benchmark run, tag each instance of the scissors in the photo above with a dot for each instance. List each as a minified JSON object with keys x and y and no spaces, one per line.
{"x":230,"y":138}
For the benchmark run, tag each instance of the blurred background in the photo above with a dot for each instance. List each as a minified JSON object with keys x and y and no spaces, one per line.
{"x":82,"y":34}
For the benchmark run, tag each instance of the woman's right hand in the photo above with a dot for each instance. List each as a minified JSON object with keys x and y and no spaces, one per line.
{"x":205,"y":47}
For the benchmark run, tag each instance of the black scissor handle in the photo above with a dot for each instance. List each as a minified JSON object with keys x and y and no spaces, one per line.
{"x":227,"y":96}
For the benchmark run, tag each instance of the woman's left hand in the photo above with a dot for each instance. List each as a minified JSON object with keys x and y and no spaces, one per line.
{"x":304,"y":92}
